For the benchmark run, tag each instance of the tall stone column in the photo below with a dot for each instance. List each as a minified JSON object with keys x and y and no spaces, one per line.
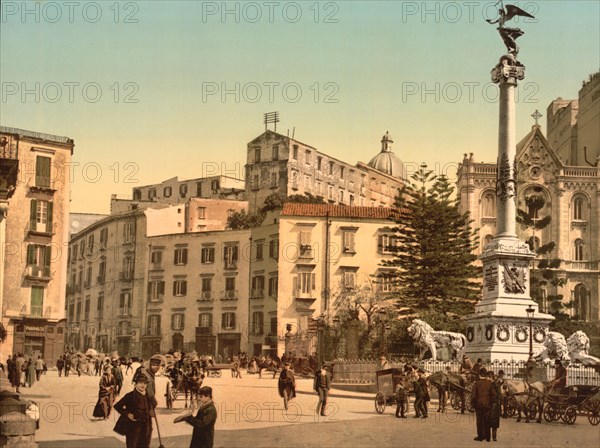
{"x":499,"y":328}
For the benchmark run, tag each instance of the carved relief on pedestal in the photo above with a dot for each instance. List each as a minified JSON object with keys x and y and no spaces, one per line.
{"x":490,"y":278}
{"x":514,"y":279}
{"x":503,"y":333}
{"x":539,"y":334}
{"x":521,"y":333}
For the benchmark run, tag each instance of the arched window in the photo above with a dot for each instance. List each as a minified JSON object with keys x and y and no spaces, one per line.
{"x":578,"y":209}
{"x":579,"y":250}
{"x":489,"y":205}
{"x":581,"y":302}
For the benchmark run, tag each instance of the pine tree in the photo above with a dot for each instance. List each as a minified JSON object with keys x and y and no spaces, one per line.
{"x":544,"y":271}
{"x":435,"y":251}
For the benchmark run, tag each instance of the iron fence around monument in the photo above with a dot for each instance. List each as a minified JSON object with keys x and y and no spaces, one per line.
{"x":361,"y":371}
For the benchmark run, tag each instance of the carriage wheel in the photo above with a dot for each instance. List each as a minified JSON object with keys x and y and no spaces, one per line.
{"x":551,"y":412}
{"x":531,"y":410}
{"x":569,"y":415}
{"x":594,"y":413}
{"x":512,"y":408}
{"x":308,"y":373}
{"x":455,"y":401}
{"x":380,"y":402}
{"x":169,"y":397}
{"x":218,"y":373}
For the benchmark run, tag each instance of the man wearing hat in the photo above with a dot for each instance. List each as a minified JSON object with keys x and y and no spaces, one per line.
{"x":136,"y":409}
{"x":560,"y":377}
{"x":466,"y":366}
{"x":482,"y":396}
{"x":421,"y":395}
{"x":321,"y":385}
{"x":118,"y":374}
{"x":150,"y":372}
{"x":204,"y":421}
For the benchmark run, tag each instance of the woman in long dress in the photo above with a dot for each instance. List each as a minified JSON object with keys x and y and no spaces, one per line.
{"x":106,"y":394}
{"x":30,"y":373}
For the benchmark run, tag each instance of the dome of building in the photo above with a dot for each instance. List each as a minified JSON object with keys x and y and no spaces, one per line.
{"x":386,"y":161}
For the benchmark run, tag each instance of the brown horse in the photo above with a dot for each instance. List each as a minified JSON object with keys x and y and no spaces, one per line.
{"x":529,"y":397}
{"x":449,"y":382}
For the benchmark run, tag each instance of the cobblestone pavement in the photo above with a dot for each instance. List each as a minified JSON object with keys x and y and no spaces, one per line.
{"x":251,"y":414}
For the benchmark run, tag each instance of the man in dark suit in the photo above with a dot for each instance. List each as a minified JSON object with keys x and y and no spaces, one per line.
{"x":322,"y":385}
{"x":482,"y":396}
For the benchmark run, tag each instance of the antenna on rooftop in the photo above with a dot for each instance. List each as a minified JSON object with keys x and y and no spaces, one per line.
{"x":271,"y":117}
{"x":293,"y":132}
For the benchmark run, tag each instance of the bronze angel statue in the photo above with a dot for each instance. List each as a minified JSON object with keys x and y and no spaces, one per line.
{"x":509,"y":35}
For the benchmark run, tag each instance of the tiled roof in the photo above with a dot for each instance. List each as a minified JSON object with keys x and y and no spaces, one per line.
{"x":338,"y":211}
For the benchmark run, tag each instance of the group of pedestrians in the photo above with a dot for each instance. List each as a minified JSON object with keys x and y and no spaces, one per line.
{"x":24,"y":372}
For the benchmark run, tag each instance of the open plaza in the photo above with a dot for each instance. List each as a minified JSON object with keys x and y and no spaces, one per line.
{"x":251,"y":414}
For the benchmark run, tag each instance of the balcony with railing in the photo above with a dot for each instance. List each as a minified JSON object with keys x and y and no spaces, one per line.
{"x":230,"y":294}
{"x":42,"y":229}
{"x":230,"y":265}
{"x":306,"y":251}
{"x":257,"y":293}
{"x":155,"y":298}
{"x":126,"y":276}
{"x":41,"y":273}
{"x":580,"y":265}
{"x":206,"y":296}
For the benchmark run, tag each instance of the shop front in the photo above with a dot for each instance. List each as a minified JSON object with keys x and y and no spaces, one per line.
{"x":39,"y":337}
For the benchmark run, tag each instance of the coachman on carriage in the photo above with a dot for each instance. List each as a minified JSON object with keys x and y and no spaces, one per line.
{"x":186,"y":376}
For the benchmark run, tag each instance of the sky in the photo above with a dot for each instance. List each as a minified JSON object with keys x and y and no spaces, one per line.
{"x":151,"y":90}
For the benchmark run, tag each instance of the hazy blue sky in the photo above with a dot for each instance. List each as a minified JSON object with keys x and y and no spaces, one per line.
{"x":418,"y":69}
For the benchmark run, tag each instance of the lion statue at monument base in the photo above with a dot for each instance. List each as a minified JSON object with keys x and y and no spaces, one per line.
{"x":579,"y":345}
{"x":555,"y":347}
{"x":429,"y":339}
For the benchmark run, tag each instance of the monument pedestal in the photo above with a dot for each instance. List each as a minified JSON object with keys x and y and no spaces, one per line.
{"x":500,"y":328}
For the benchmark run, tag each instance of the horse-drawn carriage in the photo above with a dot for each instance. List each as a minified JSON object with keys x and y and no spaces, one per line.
{"x":387,"y":380}
{"x":571,"y":402}
{"x":182,"y":381}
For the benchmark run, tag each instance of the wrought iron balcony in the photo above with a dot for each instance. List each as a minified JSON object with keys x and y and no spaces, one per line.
{"x":206,"y":296}
{"x":126,"y":276}
{"x":257,"y":293}
{"x":230,"y":294}
{"x":35,"y":272}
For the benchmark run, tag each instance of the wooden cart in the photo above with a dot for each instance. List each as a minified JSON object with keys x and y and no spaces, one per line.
{"x":387,"y":380}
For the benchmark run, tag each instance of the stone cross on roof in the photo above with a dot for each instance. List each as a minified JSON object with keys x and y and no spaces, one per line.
{"x":536,"y":116}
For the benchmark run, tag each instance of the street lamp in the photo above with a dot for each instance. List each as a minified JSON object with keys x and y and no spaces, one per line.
{"x":336,"y":326}
{"x":382,"y":314}
{"x":320,"y":341}
{"x":530,"y":312}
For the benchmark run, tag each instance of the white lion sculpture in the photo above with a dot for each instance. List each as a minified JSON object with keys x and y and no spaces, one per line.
{"x":429,"y":339}
{"x":579,"y":346}
{"x":555,"y":347}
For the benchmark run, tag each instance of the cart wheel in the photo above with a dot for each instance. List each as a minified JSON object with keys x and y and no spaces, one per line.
{"x":569,"y":415}
{"x":551,"y":412}
{"x":380,"y":402}
{"x":512,"y":408}
{"x":308,"y":373}
{"x":455,"y":401}
{"x":594,"y":413}
{"x":169,"y":397}
{"x":218,"y":373}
